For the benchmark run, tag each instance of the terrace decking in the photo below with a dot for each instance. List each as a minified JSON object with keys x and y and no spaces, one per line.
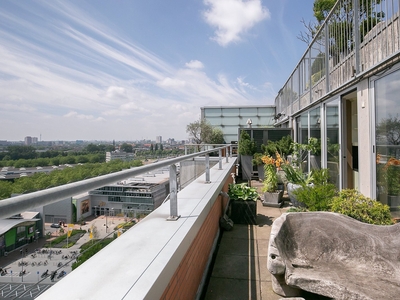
{"x":240,"y":269}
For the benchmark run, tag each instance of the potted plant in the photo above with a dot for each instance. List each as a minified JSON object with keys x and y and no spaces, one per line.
{"x":258,"y":162}
{"x":272,"y":196}
{"x":246,"y":149}
{"x":317,"y":196}
{"x":295,"y":180}
{"x":243,"y":204}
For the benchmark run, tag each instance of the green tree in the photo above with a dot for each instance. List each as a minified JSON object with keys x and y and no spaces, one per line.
{"x":92,"y":148}
{"x":127,"y":148}
{"x":5,"y":189}
{"x":246,"y":145}
{"x":200,"y":131}
{"x":342,"y":22}
{"x":21,"y":152}
{"x":216,"y":137}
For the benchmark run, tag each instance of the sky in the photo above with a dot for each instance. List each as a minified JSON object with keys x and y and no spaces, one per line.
{"x":134,"y":69}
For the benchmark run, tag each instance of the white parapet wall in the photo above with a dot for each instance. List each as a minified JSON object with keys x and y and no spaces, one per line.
{"x":141,"y":262}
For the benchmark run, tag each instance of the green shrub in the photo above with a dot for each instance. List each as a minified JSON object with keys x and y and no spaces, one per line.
{"x":316,"y":197}
{"x":297,"y":209}
{"x":353,"y":204}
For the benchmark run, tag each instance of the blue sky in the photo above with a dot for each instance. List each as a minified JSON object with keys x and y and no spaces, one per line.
{"x":127,"y":70}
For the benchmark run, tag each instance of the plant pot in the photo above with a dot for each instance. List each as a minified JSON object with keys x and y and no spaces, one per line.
{"x":243,"y":212}
{"x":291,"y":187}
{"x":246,"y":162}
{"x":393,"y":202}
{"x":273,"y":199}
{"x":261,"y":172}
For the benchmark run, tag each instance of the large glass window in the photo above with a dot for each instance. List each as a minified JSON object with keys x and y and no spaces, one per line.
{"x":332,"y":145}
{"x":315,"y":132}
{"x":387,"y":139}
{"x":302,"y":138}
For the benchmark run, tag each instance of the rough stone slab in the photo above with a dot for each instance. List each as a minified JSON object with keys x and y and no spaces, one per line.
{"x":335,"y":256}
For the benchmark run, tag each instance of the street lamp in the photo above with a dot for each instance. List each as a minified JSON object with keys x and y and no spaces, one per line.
{"x":105,"y":212}
{"x":22,"y":265}
{"x":112,"y":220}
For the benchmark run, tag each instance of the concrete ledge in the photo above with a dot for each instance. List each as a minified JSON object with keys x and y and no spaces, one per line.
{"x":141,"y":262}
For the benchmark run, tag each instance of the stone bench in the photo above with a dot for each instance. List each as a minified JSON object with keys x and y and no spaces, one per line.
{"x":335,"y":256}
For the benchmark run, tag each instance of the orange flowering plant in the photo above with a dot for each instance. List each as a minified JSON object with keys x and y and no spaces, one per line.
{"x":271,"y":177}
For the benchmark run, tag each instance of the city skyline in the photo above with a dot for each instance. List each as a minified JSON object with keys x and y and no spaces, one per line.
{"x":84,"y":70}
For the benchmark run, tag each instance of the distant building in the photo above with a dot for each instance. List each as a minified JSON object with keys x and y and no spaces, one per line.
{"x":135,"y":195}
{"x":34,"y":140}
{"x":124,"y":156}
{"x":18,"y":231}
{"x":28,"y":140}
{"x":230,"y":118}
{"x":171,"y":141}
{"x":159,"y":139}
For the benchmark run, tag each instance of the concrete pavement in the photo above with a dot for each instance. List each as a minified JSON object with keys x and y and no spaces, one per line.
{"x":240,"y":269}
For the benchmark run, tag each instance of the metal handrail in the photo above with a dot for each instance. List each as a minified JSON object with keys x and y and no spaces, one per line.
{"x":18,"y":204}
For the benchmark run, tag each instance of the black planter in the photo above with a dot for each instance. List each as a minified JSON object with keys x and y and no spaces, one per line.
{"x":243,"y":212}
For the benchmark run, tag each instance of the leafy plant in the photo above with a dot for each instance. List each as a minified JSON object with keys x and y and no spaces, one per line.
{"x":246,"y":146}
{"x":353,"y":204}
{"x":271,"y":177}
{"x":297,"y":209}
{"x":241,"y":191}
{"x":257,"y":159}
{"x":316,"y":197}
{"x":270,"y":183}
{"x":320,"y":176}
{"x":296,"y":176}
{"x":284,"y":146}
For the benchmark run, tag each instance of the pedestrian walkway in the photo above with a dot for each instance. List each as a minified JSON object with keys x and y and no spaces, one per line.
{"x":240,"y":269}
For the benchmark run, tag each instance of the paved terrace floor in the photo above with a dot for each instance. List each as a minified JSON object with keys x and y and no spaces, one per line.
{"x":240,"y":268}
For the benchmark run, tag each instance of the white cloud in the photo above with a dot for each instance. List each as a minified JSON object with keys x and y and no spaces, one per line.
{"x":80,"y":70}
{"x":195,"y":64}
{"x":171,"y":82}
{"x":74,"y":114}
{"x":233,"y":18}
{"x":116,"y":92}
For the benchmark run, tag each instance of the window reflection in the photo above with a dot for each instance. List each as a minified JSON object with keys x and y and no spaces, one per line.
{"x":387,"y":139}
{"x":332,"y":142}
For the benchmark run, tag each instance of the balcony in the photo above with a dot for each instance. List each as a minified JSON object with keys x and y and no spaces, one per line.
{"x":161,"y":258}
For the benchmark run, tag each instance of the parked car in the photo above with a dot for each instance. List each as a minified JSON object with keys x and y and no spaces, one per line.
{"x":55,"y":225}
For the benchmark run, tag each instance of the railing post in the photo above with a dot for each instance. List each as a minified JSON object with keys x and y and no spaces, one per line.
{"x":185,"y":150}
{"x":356,"y":37}
{"x":208,"y":168}
{"x":226,"y":154}
{"x":230,"y":151}
{"x":173,"y":200}
{"x":220,"y":159}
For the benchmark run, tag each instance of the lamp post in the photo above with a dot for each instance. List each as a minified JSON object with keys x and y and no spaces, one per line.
{"x":22,"y":265}
{"x":106,"y":213}
{"x":112,"y":219}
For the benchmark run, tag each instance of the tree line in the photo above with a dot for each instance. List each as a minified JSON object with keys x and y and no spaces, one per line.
{"x":40,"y":181}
